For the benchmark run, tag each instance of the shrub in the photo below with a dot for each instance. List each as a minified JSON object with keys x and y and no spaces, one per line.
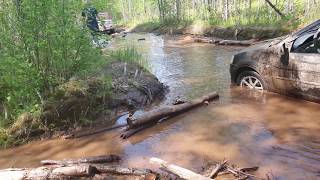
{"x":43,"y":44}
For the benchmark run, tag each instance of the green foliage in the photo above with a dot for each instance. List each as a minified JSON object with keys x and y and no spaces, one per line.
{"x":217,"y":13}
{"x":3,"y":137}
{"x":43,"y":44}
{"x":129,"y":54}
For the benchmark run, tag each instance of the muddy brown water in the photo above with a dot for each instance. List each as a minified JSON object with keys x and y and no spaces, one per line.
{"x":281,"y":135}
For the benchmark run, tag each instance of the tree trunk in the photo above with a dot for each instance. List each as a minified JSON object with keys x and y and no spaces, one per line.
{"x":162,"y":112}
{"x":275,"y":9}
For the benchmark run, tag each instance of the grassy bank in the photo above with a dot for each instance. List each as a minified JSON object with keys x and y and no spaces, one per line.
{"x":226,"y":32}
{"x":122,"y":83}
{"x":51,"y":72}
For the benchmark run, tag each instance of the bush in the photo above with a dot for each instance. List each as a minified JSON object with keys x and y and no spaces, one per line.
{"x":43,"y":44}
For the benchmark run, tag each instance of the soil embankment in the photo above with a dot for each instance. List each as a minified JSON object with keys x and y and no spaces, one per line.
{"x":118,"y":87}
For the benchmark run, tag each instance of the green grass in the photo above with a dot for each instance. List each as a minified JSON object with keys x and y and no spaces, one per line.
{"x":130,"y":55}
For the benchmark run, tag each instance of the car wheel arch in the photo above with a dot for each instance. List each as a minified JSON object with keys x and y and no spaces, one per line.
{"x":243,"y":69}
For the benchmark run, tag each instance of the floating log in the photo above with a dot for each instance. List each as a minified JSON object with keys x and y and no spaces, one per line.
{"x":165,"y":111}
{"x":93,"y":159}
{"x":179,"y":171}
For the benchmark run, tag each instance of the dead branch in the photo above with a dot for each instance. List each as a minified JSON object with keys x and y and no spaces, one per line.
{"x":275,"y":8}
{"x":219,"y":167}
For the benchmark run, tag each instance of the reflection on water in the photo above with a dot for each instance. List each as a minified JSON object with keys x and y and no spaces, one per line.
{"x":276,"y":133}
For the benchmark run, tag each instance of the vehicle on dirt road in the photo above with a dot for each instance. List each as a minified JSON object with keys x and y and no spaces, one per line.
{"x":287,"y":65}
{"x":105,"y":23}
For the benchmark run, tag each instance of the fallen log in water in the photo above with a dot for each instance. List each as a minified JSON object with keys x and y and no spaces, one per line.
{"x":118,"y":170}
{"x":75,"y":170}
{"x":64,"y":169}
{"x":48,"y":172}
{"x":236,"y":43}
{"x":179,"y":171}
{"x":224,"y":42}
{"x":163,"y":112}
{"x":94,"y":160}
{"x":130,"y":132}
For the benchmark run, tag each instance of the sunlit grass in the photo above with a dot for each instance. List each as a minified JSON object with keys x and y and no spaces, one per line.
{"x":130,"y":55}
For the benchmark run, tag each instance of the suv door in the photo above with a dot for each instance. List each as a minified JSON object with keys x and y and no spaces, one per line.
{"x":305,"y":64}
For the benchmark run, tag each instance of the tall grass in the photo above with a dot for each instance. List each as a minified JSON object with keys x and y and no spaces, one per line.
{"x":129,"y":55}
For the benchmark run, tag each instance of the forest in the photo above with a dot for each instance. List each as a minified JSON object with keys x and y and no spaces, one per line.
{"x":214,"y":12}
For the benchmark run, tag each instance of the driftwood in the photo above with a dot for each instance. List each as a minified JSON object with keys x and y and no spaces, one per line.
{"x":48,"y":172}
{"x":236,"y":43}
{"x":239,"y":173}
{"x":224,"y":42}
{"x":163,"y":112}
{"x":75,"y":170}
{"x":219,"y":167}
{"x":118,"y":170}
{"x":205,"y":40}
{"x":94,"y":160}
{"x":179,"y":171}
{"x":84,"y":167}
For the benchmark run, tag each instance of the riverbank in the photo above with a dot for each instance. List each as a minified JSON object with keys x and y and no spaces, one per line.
{"x":201,"y":29}
{"x":88,"y":102}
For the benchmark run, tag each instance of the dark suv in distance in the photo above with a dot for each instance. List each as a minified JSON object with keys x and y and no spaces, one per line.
{"x":287,"y":65}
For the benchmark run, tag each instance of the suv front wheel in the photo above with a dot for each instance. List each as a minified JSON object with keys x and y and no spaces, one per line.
{"x":251,"y":80}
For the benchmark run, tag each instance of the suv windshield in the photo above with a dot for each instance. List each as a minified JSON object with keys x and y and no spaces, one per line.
{"x":310,"y":28}
{"x":302,"y":40}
